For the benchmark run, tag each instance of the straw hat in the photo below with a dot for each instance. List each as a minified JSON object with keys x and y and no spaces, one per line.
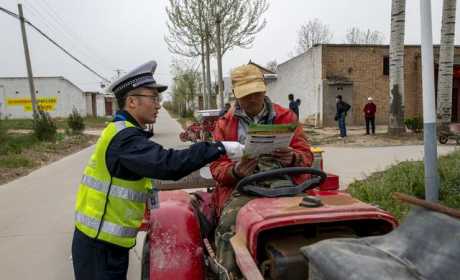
{"x":246,"y":80}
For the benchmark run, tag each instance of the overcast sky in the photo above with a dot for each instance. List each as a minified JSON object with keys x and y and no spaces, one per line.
{"x":121,"y":34}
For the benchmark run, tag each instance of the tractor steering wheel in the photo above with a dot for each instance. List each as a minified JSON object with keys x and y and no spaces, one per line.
{"x":246,"y":185}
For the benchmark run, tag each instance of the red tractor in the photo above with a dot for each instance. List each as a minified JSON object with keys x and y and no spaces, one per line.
{"x":201,"y":130}
{"x":270,"y":230}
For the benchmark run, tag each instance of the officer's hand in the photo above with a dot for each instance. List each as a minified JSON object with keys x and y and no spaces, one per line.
{"x":234,"y":149}
{"x":245,"y":167}
{"x":284,"y":155}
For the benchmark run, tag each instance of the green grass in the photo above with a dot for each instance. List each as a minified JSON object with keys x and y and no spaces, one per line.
{"x":408,"y":177}
{"x":19,"y":150}
{"x":18,"y":123}
{"x":96,"y":122}
{"x":90,"y":122}
{"x":15,"y":143}
{"x":15,"y":161}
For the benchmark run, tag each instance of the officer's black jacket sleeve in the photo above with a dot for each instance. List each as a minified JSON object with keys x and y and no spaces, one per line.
{"x":131,"y":155}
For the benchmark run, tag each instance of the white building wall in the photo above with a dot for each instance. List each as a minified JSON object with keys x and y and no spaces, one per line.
{"x":300,"y":76}
{"x":61,"y":97}
{"x":100,"y":105}
{"x":89,"y":105}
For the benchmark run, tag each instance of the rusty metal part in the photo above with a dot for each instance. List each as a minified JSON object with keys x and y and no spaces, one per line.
{"x":311,"y":201}
{"x":244,"y":259}
{"x":426,"y":204}
{"x":192,"y":181}
{"x":215,"y":265}
{"x":209,"y":248}
{"x":282,"y":249}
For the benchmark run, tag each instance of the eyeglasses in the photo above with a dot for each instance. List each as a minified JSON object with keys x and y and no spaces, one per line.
{"x":154,"y":98}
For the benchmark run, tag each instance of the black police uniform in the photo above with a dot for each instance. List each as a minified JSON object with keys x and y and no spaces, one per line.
{"x":131,"y":155}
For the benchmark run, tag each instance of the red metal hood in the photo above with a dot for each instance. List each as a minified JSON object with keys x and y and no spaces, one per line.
{"x":268,"y":213}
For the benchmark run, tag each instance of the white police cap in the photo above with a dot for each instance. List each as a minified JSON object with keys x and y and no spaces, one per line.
{"x":142,"y":76}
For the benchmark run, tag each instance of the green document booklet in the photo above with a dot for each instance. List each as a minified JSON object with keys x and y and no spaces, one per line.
{"x":265,"y":138}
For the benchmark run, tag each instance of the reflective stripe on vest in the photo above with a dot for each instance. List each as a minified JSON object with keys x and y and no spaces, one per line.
{"x":120,"y":125}
{"x":115,"y":190}
{"x":106,"y":226}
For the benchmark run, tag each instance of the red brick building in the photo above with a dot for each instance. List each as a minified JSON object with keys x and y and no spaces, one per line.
{"x":356,"y":72}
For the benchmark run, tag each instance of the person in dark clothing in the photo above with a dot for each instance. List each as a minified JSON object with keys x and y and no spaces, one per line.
{"x":369,"y":115}
{"x":293,"y":105}
{"x":341,"y":113}
{"x":117,"y":182}
{"x":224,"y":110}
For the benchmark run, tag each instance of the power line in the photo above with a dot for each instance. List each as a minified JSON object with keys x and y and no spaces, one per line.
{"x":55,"y":43}
{"x":55,"y":20}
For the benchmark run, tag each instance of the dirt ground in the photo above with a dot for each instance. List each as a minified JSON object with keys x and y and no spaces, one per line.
{"x":46,"y":155}
{"x":357,"y":137}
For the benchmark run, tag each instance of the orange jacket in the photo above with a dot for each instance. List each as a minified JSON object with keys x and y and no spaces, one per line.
{"x":227,"y":130}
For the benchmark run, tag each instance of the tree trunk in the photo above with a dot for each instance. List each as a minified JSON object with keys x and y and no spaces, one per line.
{"x":396,"y":110}
{"x":446,"y":61}
{"x":219,"y":64}
{"x":203,"y":69}
{"x":208,"y":72}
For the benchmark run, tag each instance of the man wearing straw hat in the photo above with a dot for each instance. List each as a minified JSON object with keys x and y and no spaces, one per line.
{"x":252,"y":107}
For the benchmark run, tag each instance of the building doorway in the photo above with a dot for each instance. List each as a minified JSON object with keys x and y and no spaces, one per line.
{"x":455,"y":94}
{"x":108,"y":107}
{"x":455,"y":105}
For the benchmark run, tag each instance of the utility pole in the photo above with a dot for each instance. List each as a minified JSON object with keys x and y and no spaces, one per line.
{"x":119,"y":72}
{"x":429,"y":109}
{"x":29,"y":66}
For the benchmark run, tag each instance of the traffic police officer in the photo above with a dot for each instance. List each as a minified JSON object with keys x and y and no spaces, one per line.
{"x":117,"y":181}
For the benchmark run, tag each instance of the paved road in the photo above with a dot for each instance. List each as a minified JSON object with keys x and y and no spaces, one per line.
{"x":357,"y":163}
{"x":36,"y":217}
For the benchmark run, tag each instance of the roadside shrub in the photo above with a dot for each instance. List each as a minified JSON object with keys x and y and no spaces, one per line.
{"x":408,"y":177}
{"x":44,"y":127}
{"x":2,"y":130}
{"x":75,"y":122}
{"x":414,"y":124}
{"x":187,"y":114}
{"x":167,"y":105}
{"x":15,"y":161}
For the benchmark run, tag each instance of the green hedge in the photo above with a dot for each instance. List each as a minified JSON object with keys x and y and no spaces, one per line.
{"x":408,"y":177}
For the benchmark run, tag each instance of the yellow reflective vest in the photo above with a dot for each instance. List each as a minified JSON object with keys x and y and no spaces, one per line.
{"x":109,"y":208}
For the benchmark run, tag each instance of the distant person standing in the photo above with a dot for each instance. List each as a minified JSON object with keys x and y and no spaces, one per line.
{"x":341,"y":113}
{"x":369,"y":114}
{"x":298,"y":101}
{"x":293,"y":105}
{"x":224,"y":110}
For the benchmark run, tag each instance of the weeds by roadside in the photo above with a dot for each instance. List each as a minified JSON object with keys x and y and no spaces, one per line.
{"x":44,"y":127}
{"x":75,"y":122}
{"x":408,"y":177}
{"x":61,"y":123}
{"x":21,"y":153}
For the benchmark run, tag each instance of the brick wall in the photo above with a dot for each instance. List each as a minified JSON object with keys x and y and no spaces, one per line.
{"x":363,"y":65}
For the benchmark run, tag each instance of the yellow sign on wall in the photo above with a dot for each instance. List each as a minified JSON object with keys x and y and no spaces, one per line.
{"x":46,"y":104}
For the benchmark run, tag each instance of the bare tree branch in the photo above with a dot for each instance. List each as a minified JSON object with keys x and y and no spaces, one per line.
{"x":311,"y":33}
{"x":356,"y":36}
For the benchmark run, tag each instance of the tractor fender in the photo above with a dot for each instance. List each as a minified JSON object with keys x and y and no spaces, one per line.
{"x":176,"y":250}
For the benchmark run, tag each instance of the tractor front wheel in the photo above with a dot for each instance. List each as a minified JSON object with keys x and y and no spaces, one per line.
{"x":443,"y":139}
